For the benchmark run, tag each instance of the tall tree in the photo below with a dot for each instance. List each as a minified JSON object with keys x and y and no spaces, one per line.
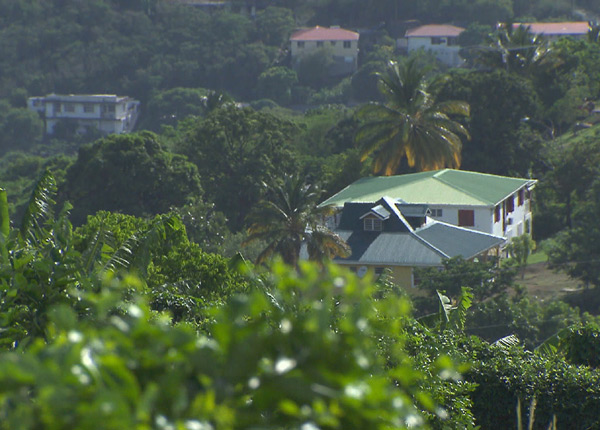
{"x":131,"y":174}
{"x":518,"y":50}
{"x":289,"y":218}
{"x":501,"y":141}
{"x":235,"y":151}
{"x":410,"y":123}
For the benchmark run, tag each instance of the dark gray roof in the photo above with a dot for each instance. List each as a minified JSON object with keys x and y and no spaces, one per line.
{"x":403,"y":249}
{"x":353,"y":213}
{"x":457,"y":241}
{"x":399,"y":244}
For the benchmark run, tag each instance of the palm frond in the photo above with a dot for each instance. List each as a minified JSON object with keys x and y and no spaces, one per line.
{"x":39,"y":209}
{"x":507,"y":341}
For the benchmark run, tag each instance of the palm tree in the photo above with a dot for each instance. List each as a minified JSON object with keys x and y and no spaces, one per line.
{"x":518,"y":50}
{"x":289,"y":218}
{"x":410,"y":124}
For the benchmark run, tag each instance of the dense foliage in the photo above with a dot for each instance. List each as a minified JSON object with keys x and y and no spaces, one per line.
{"x":149,"y":315}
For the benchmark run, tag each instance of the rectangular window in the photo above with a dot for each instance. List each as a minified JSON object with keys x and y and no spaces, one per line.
{"x":69,"y":107}
{"x":319,"y":44}
{"x":521,"y":197}
{"x":466,"y":218}
{"x":332,"y":42}
{"x":56,"y":107}
{"x":497,"y":213}
{"x":436,"y":213}
{"x":438,"y":40}
{"x":108,"y":108}
{"x":372,"y":224}
{"x":347,"y":44}
{"x":300,"y":44}
{"x":416,"y":278}
{"x":379,"y":270}
{"x":510,"y":204}
{"x":88,"y":108}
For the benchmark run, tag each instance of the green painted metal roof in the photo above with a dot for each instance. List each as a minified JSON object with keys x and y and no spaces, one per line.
{"x":440,"y":187}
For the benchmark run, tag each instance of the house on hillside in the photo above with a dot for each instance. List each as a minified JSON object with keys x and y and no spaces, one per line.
{"x":555,"y":30}
{"x":341,"y":44}
{"x":107,"y":113}
{"x":441,"y":40}
{"x":386,"y":234}
{"x":496,"y":205}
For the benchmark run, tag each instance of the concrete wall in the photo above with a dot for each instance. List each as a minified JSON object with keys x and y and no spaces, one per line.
{"x":443,"y":52}
{"x":346,"y":58}
{"x":515,"y":223}
{"x":401,"y":275}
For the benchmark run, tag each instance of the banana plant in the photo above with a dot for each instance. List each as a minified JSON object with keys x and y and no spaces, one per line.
{"x":41,"y":269}
{"x":449,"y":316}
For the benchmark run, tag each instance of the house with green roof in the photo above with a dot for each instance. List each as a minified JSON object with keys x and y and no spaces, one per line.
{"x":497,"y":205}
{"x":389,"y":235}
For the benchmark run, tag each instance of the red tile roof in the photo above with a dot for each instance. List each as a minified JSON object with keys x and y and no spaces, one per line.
{"x":324,"y":33}
{"x":435,"y":30}
{"x":556,"y":28}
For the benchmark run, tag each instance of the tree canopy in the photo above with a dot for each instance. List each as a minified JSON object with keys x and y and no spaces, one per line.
{"x":131,"y":174}
{"x":411,"y":124}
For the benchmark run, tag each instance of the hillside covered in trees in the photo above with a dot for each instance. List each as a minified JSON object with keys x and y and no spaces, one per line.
{"x":142,"y":276}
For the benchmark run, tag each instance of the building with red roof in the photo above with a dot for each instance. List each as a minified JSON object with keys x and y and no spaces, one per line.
{"x":440,"y":39}
{"x":340,"y":43}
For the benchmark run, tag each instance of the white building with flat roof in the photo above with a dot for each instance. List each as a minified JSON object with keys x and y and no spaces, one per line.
{"x":107,"y":113}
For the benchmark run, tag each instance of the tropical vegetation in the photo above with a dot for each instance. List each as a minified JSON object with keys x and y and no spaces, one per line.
{"x":410,"y":124}
{"x":129,"y":297}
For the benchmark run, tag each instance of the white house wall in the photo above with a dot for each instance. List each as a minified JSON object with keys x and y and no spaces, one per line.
{"x":450,"y":215}
{"x":87,"y":111}
{"x":515,"y":223}
{"x":446,"y":54}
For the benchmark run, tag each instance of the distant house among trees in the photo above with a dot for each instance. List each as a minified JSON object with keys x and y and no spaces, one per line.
{"x":107,"y":113}
{"x":387,"y":234}
{"x":496,"y":205}
{"x":555,"y":30}
{"x":339,"y":44}
{"x":441,"y":40}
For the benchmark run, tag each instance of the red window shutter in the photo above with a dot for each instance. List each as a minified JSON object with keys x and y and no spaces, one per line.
{"x":521,"y":196}
{"x":466,"y":218}
{"x":510,"y":204}
{"x":497,"y":213}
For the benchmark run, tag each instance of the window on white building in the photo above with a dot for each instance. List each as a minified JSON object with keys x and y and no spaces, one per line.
{"x":436,"y":213}
{"x":69,"y":107}
{"x":300,"y":44}
{"x":347,"y":44}
{"x":319,"y":44}
{"x":88,"y":108}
